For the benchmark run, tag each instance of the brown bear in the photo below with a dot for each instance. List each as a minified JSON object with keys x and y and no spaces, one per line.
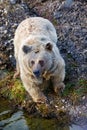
{"x":38,"y":59}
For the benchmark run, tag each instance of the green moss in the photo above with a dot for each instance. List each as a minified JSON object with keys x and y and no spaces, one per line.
{"x":12,"y":88}
{"x":82,"y":83}
{"x":54,"y":21}
{"x":45,"y":110}
{"x":69,"y":55}
{"x":45,"y":124}
{"x":74,"y":92}
{"x":81,"y":88}
{"x":17,"y":91}
{"x":68,"y":89}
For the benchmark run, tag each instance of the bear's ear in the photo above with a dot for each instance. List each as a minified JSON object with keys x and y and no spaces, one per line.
{"x":26,"y":49}
{"x":49,"y":46}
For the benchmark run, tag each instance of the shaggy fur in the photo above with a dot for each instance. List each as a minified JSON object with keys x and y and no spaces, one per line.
{"x":36,"y":51}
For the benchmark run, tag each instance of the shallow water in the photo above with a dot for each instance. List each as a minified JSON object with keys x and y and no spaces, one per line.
{"x":19,"y":120}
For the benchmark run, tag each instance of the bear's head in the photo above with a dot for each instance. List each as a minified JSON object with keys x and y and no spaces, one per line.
{"x":39,"y":58}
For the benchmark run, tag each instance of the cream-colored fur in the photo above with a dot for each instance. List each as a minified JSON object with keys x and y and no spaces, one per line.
{"x":40,"y":36}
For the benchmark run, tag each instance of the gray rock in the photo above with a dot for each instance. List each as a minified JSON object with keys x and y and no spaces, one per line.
{"x":66,"y":4}
{"x":13,"y":1}
{"x":3,"y":74}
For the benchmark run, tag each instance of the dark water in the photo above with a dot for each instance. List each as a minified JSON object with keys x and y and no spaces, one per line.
{"x":20,"y":121}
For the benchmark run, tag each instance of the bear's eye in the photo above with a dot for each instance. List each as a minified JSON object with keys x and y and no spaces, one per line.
{"x":32,"y":62}
{"x":41,"y":62}
{"x":49,"y":46}
{"x":26,"y":49}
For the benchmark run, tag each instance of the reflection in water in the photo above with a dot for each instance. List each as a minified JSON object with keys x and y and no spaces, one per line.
{"x":21,"y":121}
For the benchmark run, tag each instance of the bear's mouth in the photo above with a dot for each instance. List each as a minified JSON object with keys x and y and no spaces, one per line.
{"x":43,"y":75}
{"x":37,"y":77}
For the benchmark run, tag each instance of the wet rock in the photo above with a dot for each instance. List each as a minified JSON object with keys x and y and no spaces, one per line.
{"x":15,"y":121}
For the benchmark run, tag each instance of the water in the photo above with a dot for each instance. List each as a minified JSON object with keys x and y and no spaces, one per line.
{"x":19,"y":120}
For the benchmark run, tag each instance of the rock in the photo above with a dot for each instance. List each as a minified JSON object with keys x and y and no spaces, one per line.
{"x":13,"y":1}
{"x":15,"y":121}
{"x":66,"y":4}
{"x":3,"y":74}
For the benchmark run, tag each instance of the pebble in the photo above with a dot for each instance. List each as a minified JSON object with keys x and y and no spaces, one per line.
{"x":63,"y":100}
{"x":13,"y":1}
{"x":5,"y":11}
{"x":10,"y":56}
{"x":56,"y":106}
{"x":63,"y":107}
{"x":65,"y":4}
{"x":80,"y":112}
{"x":5,"y":31}
{"x":83,"y":108}
{"x":83,"y":97}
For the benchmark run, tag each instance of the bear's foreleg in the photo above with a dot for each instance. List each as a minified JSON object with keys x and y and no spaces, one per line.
{"x":59,"y":87}
{"x":34,"y":91}
{"x":17,"y":73}
{"x":58,"y":84}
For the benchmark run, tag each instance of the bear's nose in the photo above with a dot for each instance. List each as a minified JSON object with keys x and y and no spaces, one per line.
{"x":36,"y":73}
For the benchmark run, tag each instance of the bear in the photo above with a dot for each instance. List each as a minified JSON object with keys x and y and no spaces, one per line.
{"x":38,"y":59}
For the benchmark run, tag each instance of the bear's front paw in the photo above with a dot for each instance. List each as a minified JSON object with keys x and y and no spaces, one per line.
{"x":42,"y":99}
{"x":59,"y":88}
